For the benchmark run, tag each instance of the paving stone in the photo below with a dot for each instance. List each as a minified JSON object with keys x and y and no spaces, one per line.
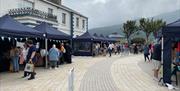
{"x":128,"y":76}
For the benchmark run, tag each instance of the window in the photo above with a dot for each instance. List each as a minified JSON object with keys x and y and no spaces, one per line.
{"x":50,"y":11}
{"x":83,"y":24}
{"x":63,"y":18}
{"x":77,"y":22}
{"x":25,"y":4}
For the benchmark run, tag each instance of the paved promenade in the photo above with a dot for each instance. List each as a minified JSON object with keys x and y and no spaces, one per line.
{"x":91,"y":74}
{"x":129,"y":76}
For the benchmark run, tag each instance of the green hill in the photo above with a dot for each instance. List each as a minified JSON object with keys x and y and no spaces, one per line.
{"x":168,"y":17}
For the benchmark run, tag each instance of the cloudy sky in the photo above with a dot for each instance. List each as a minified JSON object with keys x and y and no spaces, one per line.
{"x":110,"y":12}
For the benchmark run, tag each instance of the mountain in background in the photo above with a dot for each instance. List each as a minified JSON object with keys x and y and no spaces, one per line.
{"x":168,"y":17}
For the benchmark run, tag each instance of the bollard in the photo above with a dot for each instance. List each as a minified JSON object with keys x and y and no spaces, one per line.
{"x":71,"y":80}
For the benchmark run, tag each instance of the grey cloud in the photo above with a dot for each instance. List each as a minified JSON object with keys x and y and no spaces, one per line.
{"x":116,"y":11}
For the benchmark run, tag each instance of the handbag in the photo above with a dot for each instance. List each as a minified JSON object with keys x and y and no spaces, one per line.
{"x":29,"y":67}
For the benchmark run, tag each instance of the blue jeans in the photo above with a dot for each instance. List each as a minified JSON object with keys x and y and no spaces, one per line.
{"x":15,"y":62}
{"x":110,"y":52}
{"x":177,"y":56}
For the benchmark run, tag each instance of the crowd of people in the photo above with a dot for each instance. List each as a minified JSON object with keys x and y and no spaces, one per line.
{"x":23,"y":56}
{"x":104,"y":49}
{"x":60,"y":54}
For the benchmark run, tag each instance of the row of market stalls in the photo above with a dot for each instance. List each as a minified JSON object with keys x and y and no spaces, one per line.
{"x":170,"y":34}
{"x":12,"y":31}
{"x":84,"y":44}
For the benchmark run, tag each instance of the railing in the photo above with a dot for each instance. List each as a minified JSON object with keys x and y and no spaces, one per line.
{"x":32,"y":12}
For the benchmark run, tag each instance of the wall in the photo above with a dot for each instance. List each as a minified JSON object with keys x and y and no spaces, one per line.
{"x":6,"y":5}
{"x":43,"y":6}
{"x":56,"y":11}
{"x":79,"y":30}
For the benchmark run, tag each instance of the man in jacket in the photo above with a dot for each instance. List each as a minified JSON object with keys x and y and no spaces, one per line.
{"x":157,"y":59}
{"x":31,"y":58}
{"x":53,"y":56}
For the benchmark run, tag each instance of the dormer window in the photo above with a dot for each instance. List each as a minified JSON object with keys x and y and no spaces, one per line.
{"x":25,"y":4}
{"x":58,"y":2}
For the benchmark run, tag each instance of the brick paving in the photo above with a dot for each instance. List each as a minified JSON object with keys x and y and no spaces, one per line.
{"x":48,"y":80}
{"x":129,"y":76}
{"x":91,"y":74}
{"x":98,"y":77}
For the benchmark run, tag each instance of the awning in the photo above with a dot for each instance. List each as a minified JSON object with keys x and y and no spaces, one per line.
{"x":9,"y":27}
{"x":51,"y":32}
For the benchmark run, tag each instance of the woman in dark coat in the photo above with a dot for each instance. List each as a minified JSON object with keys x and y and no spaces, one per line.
{"x":68,"y":53}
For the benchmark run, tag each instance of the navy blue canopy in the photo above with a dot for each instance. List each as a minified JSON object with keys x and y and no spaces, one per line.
{"x":85,"y":36}
{"x":172,"y":29}
{"x":97,"y":38}
{"x":105,"y":39}
{"x":170,"y":33}
{"x":12,"y":28}
{"x":51,"y":32}
{"x":110,"y":39}
{"x":102,"y":37}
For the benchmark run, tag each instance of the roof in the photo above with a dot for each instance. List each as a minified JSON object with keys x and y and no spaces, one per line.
{"x":86,"y":36}
{"x":64,"y":8}
{"x":94,"y":37}
{"x":172,"y":29}
{"x":174,"y":24}
{"x":12,"y":28}
{"x":71,"y":10}
{"x":51,"y":32}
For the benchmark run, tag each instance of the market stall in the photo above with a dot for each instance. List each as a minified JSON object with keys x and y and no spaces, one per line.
{"x":51,"y":35}
{"x":12,"y":31}
{"x":170,"y":35}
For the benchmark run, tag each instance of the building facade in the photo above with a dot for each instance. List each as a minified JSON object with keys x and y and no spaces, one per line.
{"x":33,"y":12}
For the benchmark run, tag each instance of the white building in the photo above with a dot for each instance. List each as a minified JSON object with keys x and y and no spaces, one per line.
{"x":33,"y":12}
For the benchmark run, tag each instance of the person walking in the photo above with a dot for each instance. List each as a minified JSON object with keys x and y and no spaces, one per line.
{"x":104,"y":49}
{"x":151,"y":47}
{"x":31,"y":59}
{"x":156,"y":60}
{"x":110,"y":48}
{"x":146,"y":53}
{"x":53,"y":56}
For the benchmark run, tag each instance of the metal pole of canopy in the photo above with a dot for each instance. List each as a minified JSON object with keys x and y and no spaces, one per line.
{"x":162,"y":49}
{"x":46,"y":47}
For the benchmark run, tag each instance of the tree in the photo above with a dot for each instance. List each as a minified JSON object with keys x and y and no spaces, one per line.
{"x":158,"y":24}
{"x":150,"y":26}
{"x":129,"y":28}
{"x":146,"y":26}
